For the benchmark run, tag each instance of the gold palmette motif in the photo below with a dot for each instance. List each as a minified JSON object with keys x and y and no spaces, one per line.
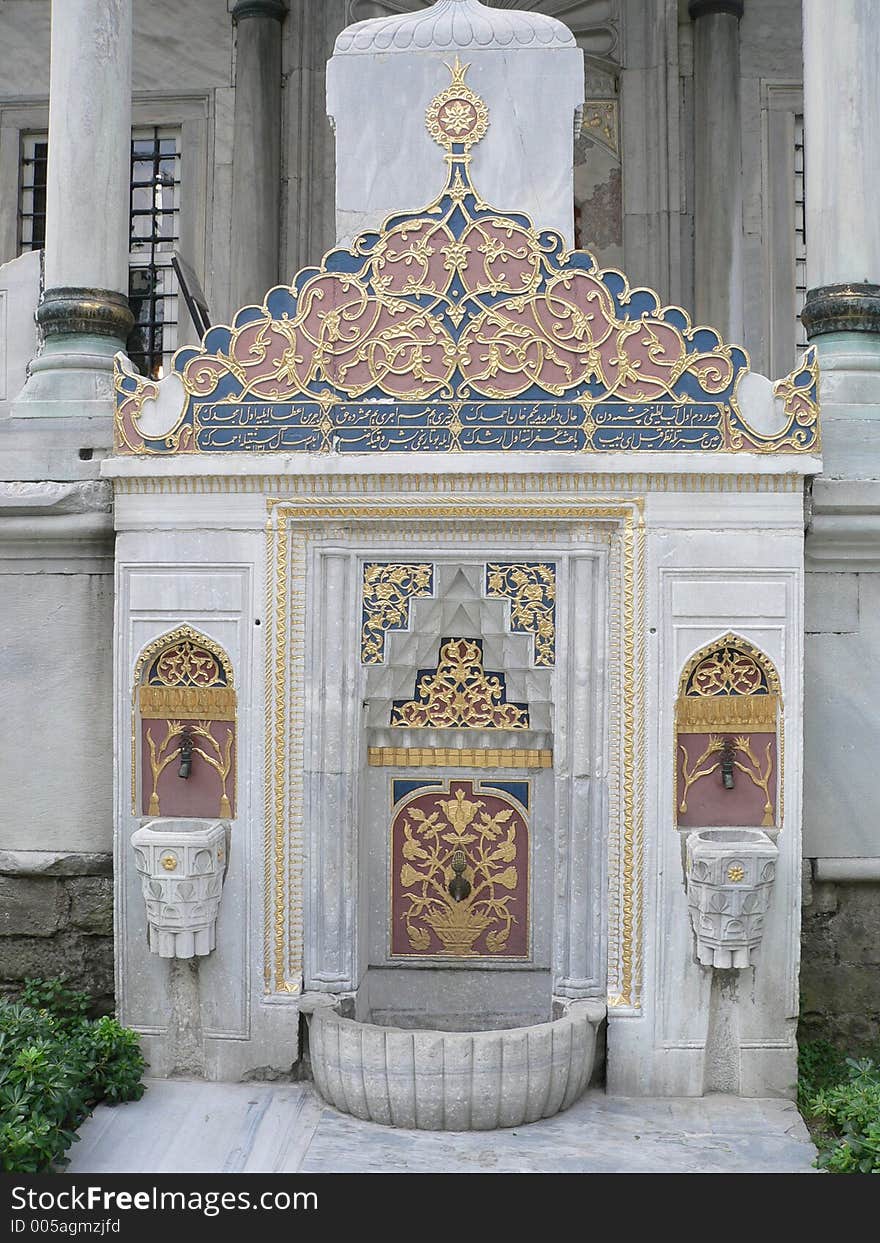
{"x":191,"y":656}
{"x":220,"y":759}
{"x":387,"y":591}
{"x":285,"y":579}
{"x":531,"y":589}
{"x":704,"y":765}
{"x":457,"y":115}
{"x":488,"y":847}
{"x":460,"y":693}
{"x":600,"y":123}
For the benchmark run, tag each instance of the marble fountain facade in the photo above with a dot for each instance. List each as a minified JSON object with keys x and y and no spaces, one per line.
{"x":461,"y":582}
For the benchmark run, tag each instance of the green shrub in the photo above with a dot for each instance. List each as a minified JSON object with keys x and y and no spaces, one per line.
{"x":840,"y":1098}
{"x":55,"y":1066}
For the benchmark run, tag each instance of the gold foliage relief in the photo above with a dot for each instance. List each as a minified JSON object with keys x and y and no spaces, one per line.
{"x":460,"y":693}
{"x":460,"y":884}
{"x":387,"y":591}
{"x":531,"y":589}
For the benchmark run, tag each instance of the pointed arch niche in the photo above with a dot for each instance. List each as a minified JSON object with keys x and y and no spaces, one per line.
{"x":729,"y":738}
{"x":183,"y":698}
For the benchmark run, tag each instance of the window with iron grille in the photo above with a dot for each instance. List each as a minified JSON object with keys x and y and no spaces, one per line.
{"x":154,"y":234}
{"x":800,"y":234}
{"x":32,"y":195}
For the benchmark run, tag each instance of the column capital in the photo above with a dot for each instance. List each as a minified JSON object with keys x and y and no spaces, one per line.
{"x":275,"y":10}
{"x":849,"y":307}
{"x":705,"y":8}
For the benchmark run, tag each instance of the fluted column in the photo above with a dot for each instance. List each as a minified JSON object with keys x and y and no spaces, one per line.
{"x":84,"y":312}
{"x":718,"y":166}
{"x":256,"y":155}
{"x":842,"y":161}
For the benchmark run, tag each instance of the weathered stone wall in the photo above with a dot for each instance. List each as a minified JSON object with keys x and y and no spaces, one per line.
{"x":840,"y":961}
{"x":56,"y":919}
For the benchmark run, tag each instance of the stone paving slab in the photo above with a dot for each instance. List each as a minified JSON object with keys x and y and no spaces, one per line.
{"x":186,"y":1126}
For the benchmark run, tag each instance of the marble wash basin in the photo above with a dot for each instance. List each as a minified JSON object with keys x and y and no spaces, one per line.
{"x":454,"y":1081}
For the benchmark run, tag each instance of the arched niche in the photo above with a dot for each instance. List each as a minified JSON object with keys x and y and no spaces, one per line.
{"x":729,"y":738}
{"x":184,"y":707}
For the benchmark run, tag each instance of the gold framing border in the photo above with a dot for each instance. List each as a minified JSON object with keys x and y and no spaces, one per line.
{"x":285,"y":574}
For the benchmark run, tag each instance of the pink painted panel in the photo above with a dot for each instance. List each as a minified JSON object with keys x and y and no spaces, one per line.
{"x":492,"y":920}
{"x":201,"y":793}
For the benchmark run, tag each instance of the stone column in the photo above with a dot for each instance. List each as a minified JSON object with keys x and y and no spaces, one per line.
{"x":718,"y":166}
{"x":310,"y":145}
{"x":84,"y":314}
{"x":842,"y":160}
{"x":256,"y":152}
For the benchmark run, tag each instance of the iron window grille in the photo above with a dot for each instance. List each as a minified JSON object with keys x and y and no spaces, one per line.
{"x":800,"y":234}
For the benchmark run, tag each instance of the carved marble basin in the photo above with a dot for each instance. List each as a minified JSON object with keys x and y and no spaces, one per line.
{"x":730,"y":874}
{"x":454,"y":1081}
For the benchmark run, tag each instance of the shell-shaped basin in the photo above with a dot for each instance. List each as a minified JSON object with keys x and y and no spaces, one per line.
{"x":454,"y":1081}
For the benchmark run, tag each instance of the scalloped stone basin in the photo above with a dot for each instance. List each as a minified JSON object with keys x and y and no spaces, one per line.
{"x":454,"y":1081}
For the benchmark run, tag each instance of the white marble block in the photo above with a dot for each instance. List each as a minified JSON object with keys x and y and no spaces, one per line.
{"x":384,"y":73}
{"x":181,"y":865}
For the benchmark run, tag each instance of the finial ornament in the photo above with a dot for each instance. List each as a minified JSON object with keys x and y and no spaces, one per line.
{"x":457,"y":117}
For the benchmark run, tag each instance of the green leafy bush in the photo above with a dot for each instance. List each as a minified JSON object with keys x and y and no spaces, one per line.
{"x":56,"y":1064}
{"x":840,"y":1098}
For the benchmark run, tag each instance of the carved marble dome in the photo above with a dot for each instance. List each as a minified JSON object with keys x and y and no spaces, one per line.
{"x":452,"y":25}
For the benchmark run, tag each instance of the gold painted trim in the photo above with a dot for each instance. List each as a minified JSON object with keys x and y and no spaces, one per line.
{"x":283,"y":968}
{"x":188,"y":703}
{"x":387,"y":485}
{"x":714,"y":713}
{"x":457,"y":757}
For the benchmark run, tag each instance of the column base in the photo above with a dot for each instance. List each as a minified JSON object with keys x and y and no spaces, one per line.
{"x":849,"y":393}
{"x":71,"y":378}
{"x":73,"y":375}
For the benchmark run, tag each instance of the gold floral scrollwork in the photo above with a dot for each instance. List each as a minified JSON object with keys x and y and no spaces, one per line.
{"x":531,"y":589}
{"x":194,"y":650}
{"x":460,"y":693}
{"x":477,"y":844}
{"x":728,"y":685}
{"x":387,"y":591}
{"x":600,"y":123}
{"x":798,"y":396}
